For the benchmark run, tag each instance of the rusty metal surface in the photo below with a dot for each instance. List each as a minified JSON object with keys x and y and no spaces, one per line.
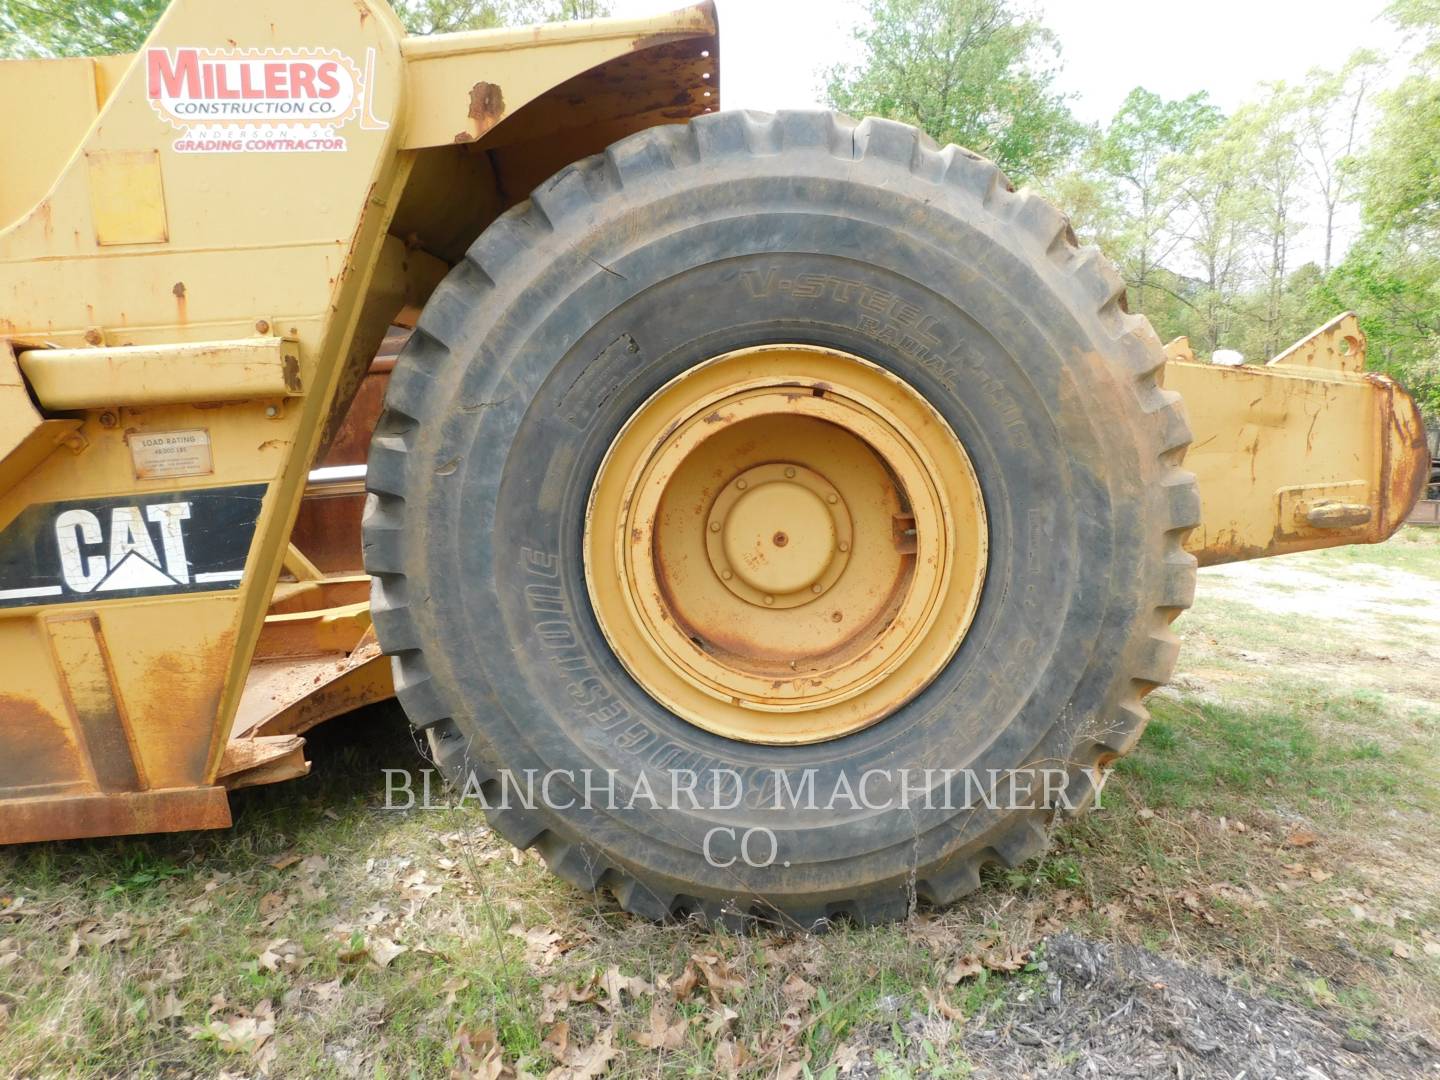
{"x":289,"y":697}
{"x":24,"y":821}
{"x":454,"y":99}
{"x":262,"y":759}
{"x":721,"y":518}
{"x":1305,"y":452}
{"x":97,"y":378}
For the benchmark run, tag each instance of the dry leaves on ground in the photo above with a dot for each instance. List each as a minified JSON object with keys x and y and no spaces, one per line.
{"x":240,"y":1031}
{"x":380,"y":951}
{"x":478,"y":1056}
{"x":666,"y":1030}
{"x":543,"y":946}
{"x":589,"y":1062}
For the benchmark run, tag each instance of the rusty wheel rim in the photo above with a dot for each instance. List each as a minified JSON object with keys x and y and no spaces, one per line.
{"x":785,"y":544}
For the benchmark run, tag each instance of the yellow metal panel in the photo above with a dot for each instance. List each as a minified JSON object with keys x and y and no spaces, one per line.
{"x":173,"y":696}
{"x":84,"y":664}
{"x":462,"y":85}
{"x":127,"y":197}
{"x":46,"y":106}
{"x":43,"y":751}
{"x":1272,"y":444}
{"x":65,"y":379}
{"x":25,"y":438}
{"x":1339,"y":345}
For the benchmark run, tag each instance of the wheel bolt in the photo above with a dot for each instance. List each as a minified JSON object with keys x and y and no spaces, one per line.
{"x":769,"y":599}
{"x":844,"y":546}
{"x":742,"y":484}
{"x":832,"y":498}
{"x":816,"y":588}
{"x":714,"y":526}
{"x":789,"y":473}
{"x":726,"y":575}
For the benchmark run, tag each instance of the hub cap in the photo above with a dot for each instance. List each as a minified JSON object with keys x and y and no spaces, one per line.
{"x":785,"y":544}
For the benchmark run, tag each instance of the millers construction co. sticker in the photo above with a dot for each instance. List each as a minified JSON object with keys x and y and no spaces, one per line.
{"x":236,"y":101}
{"x":105,"y":549}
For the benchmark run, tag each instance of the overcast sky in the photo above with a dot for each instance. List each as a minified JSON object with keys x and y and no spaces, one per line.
{"x":772,"y":51}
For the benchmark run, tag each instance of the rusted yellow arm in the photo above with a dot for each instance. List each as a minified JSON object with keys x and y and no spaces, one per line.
{"x":1307,"y":451}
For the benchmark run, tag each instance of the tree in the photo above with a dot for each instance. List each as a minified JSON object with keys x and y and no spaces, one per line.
{"x":449,"y":16}
{"x":95,"y":27}
{"x":1136,"y":151}
{"x":972,"y":72}
{"x":1271,"y":163}
{"x":1391,"y":276}
{"x":75,"y":27}
{"x":1219,"y":208}
{"x":1329,"y":132}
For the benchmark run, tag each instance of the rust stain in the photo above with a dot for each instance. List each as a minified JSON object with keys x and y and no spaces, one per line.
{"x":487,"y":106}
{"x":69,"y":817}
{"x":182,"y":304}
{"x":37,"y":750}
{"x":291,"y":372}
{"x":196,"y":681}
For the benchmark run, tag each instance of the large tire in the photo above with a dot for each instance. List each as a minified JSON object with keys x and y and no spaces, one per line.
{"x":627,"y":269}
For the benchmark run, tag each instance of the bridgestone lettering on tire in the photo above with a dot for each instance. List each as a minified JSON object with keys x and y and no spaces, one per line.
{"x":684,"y":243}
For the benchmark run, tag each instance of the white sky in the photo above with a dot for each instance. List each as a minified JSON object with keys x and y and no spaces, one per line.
{"x":772,"y":51}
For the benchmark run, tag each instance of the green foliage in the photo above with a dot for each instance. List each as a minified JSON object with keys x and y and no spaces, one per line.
{"x":448,"y":16}
{"x":972,"y":72}
{"x":1391,"y":276}
{"x":95,"y":27}
{"x":1395,"y":289}
{"x":75,"y":27}
{"x":1135,"y":154}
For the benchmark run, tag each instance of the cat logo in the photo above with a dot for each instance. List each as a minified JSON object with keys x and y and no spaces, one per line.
{"x":133,"y":562}
{"x":175,"y":542}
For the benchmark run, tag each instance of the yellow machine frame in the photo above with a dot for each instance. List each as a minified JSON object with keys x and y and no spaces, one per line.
{"x":208,"y":244}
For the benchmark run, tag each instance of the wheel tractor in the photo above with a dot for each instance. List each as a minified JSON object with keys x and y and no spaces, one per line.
{"x":622,"y":438}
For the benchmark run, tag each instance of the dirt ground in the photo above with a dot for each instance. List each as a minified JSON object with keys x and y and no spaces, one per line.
{"x":1258,"y":897}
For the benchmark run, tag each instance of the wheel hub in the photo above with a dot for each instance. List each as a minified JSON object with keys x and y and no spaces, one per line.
{"x":779,"y":535}
{"x":785,"y":545}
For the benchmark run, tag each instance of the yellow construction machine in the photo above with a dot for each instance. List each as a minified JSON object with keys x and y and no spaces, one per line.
{"x":623,"y":438}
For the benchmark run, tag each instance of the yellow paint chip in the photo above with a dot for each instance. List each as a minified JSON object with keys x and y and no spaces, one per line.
{"x":127,"y":197}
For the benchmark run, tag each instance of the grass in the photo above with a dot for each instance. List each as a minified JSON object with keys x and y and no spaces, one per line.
{"x":1277,"y":823}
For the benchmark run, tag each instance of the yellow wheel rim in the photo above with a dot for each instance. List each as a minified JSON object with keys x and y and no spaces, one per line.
{"x":785,"y":544}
